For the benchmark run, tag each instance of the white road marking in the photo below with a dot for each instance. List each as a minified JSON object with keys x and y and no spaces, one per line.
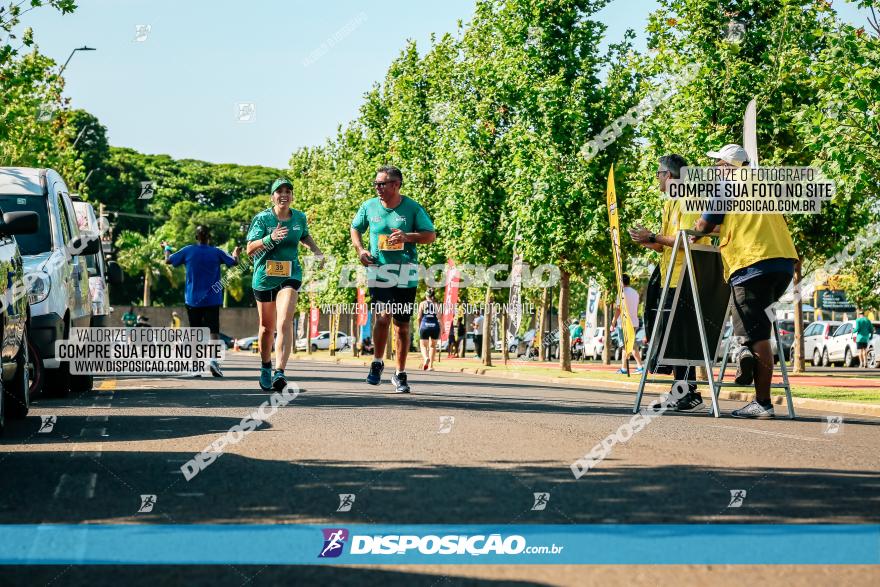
{"x":88,"y":481}
{"x":90,"y":488}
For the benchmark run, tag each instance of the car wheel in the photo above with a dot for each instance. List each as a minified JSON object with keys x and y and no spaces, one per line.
{"x":871,"y":361}
{"x":314,"y":348}
{"x":35,"y":366}
{"x":817,"y":359}
{"x":825,"y":361}
{"x":17,"y":394}
{"x":848,"y":360}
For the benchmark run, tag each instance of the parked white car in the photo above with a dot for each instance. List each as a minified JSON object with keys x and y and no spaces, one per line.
{"x":841,"y":347}
{"x":874,"y":348}
{"x":595,"y":344}
{"x":101,"y":274}
{"x":322,"y":341}
{"x":56,"y":274}
{"x":247,"y":342}
{"x":816,"y":337}
{"x":512,"y":342}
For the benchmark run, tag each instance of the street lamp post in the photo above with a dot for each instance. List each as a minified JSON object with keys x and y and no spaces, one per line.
{"x":83,"y":48}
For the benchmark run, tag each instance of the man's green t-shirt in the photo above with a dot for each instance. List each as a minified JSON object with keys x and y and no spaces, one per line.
{"x":863,"y":329}
{"x":575,"y":330}
{"x":287,"y":250}
{"x":408,"y":216}
{"x":129,"y":319}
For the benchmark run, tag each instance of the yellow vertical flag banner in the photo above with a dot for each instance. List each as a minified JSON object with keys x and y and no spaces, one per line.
{"x":629,"y":332}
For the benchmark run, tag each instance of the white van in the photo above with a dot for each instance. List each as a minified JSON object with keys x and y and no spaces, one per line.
{"x":101,"y":274}
{"x":55,"y":271}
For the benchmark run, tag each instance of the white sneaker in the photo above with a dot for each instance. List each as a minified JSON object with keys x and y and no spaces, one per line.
{"x":215,"y":369}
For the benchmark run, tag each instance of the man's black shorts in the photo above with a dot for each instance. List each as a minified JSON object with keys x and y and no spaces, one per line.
{"x":206,"y":317}
{"x":400,"y":302}
{"x":269,"y":295}
{"x":861,"y":345}
{"x":750,"y":302}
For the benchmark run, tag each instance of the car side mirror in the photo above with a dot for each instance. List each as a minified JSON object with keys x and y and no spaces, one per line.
{"x":19,"y":223}
{"x":85,"y":244}
{"x":114,"y":273}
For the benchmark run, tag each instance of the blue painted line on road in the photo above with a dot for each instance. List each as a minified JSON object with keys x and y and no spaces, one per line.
{"x":60,"y":544}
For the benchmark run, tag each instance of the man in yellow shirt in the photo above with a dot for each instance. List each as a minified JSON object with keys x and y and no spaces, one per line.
{"x":759,"y":261}
{"x":673,"y":220}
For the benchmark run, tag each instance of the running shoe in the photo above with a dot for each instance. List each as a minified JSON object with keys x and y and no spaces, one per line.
{"x":665,"y":402}
{"x":265,"y":378}
{"x":745,"y":370}
{"x":692,"y":402}
{"x":639,"y":369}
{"x":375,"y":375}
{"x":279,"y":382}
{"x":398,"y":380}
{"x":622,"y":371}
{"x":424,"y":365}
{"x":215,"y":369}
{"x":754,"y":410}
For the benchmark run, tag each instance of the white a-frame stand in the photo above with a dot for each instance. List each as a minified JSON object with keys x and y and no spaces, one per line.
{"x":702,"y":357}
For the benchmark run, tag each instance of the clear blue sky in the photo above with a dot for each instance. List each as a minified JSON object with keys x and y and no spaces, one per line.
{"x":176,"y":92}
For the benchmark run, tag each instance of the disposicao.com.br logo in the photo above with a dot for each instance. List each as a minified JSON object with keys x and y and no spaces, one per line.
{"x":450,"y":544}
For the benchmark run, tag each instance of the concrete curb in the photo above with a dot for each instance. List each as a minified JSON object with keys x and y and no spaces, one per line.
{"x":819,"y":405}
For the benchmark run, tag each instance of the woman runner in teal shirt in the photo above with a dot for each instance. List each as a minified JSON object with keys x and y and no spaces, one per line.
{"x":273,"y":243}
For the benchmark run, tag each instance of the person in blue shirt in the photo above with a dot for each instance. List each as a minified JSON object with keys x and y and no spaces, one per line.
{"x":204,"y":288}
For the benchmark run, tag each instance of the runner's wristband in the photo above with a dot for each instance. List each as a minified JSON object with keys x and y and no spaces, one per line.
{"x":265,"y":243}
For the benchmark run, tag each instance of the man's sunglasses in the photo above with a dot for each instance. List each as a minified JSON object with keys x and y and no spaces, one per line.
{"x":381,"y":184}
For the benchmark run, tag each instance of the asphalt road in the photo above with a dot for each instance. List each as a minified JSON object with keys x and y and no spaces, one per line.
{"x":406,"y":461}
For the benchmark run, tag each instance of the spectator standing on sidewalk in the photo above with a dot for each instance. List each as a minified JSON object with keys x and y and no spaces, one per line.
{"x":863,"y":330}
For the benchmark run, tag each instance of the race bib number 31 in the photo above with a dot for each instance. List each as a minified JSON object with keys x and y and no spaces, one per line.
{"x":278,"y":268}
{"x":384,"y":246}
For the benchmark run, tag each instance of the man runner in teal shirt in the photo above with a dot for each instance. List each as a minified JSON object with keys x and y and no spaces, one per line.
{"x":396,"y":224}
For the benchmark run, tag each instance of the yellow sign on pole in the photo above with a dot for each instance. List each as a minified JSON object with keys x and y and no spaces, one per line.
{"x":629,"y":332}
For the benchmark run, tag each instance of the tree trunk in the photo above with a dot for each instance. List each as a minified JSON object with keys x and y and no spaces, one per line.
{"x":606,"y":353}
{"x":542,"y":325}
{"x":333,"y":328}
{"x":351,"y":325}
{"x":505,"y":353}
{"x":147,"y":276}
{"x":564,"y":334}
{"x":799,"y":361}
{"x":487,"y":329}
